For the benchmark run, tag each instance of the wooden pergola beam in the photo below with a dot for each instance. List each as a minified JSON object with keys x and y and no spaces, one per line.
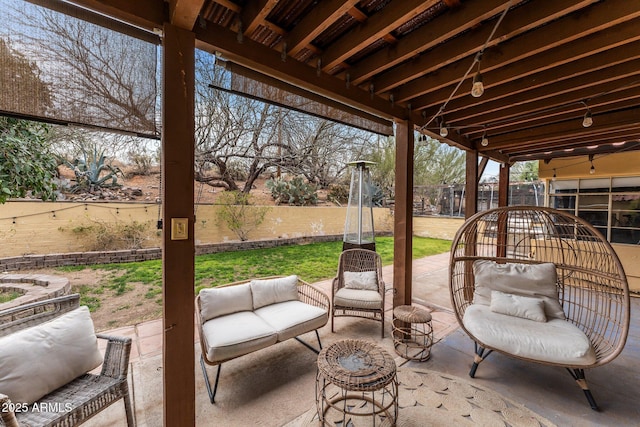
{"x":376,"y":27}
{"x":598,"y":17}
{"x":184,"y":13}
{"x":254,"y":56}
{"x":255,"y":14}
{"x":561,"y":131}
{"x":148,"y":14}
{"x":625,"y":99}
{"x":587,"y":73}
{"x":315,"y":23}
{"x":467,"y":16}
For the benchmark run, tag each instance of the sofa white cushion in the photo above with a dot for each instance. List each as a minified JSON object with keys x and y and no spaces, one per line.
{"x":531,"y":280}
{"x":43,"y":358}
{"x":556,"y":341}
{"x":518,"y":306}
{"x":367,"y":280}
{"x":293,"y":318}
{"x":271,"y":291}
{"x":215,"y":302}
{"x":236,"y":334}
{"x":357,"y":298}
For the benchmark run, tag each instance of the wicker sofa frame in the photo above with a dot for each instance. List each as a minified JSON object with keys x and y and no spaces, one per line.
{"x":591,"y":283}
{"x":306,"y":293}
{"x":85,"y":396}
{"x":358,"y":260}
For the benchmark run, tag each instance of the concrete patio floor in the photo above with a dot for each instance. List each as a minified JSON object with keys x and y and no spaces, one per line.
{"x":274,"y":386}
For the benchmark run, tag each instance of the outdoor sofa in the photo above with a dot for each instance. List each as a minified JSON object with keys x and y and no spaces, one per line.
{"x":246,"y":316}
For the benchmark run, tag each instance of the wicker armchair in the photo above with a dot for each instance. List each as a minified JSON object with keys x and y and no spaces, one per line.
{"x":363,"y":303}
{"x":591,"y":284}
{"x":85,"y":396}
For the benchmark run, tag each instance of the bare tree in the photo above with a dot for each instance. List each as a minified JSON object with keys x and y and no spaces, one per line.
{"x":102,"y":77}
{"x":239,"y":139}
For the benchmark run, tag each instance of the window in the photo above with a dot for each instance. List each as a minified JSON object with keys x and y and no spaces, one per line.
{"x":611,"y":205}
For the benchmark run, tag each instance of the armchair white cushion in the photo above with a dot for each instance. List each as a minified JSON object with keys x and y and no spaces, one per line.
{"x":555,"y":341}
{"x":358,"y":298}
{"x":529,"y":280}
{"x":272,"y":291}
{"x":292,"y":318}
{"x":236,"y":334}
{"x":365,"y":280}
{"x":43,"y":358}
{"x":518,"y":306}
{"x":216,"y":302}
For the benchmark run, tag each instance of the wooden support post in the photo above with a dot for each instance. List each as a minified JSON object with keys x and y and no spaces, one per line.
{"x":470,"y":209}
{"x":178,"y":252}
{"x":503,"y":200}
{"x":503,"y":186}
{"x":471,"y":188}
{"x":403,"y":215}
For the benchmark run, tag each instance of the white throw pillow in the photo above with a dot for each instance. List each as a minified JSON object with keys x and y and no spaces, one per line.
{"x":43,"y":358}
{"x":518,"y":306}
{"x":530,"y":280}
{"x":216,"y":302}
{"x":271,"y":291}
{"x":366,"y":280}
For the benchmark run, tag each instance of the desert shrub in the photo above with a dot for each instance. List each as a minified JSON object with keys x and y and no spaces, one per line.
{"x":339,"y":194}
{"x":238,"y":213}
{"x":141,"y":162}
{"x":377,"y":195}
{"x":295,"y":192}
{"x":108,"y":236}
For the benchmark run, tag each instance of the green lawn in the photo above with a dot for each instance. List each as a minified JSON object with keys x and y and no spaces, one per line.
{"x":312,"y":262}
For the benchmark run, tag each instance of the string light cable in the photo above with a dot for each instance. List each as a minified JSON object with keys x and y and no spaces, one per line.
{"x":477,"y":58}
{"x":84,"y":206}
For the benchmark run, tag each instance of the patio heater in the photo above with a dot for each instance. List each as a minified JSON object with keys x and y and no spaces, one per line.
{"x":358,"y":229}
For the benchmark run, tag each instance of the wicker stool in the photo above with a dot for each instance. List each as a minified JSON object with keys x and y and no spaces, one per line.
{"x":412,"y":332}
{"x":356,"y":379}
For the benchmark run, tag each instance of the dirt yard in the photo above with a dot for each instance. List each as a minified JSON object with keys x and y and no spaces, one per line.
{"x":147,"y":188}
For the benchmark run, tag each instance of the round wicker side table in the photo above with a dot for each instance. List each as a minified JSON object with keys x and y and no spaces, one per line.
{"x":412,"y":332}
{"x":356,"y":379}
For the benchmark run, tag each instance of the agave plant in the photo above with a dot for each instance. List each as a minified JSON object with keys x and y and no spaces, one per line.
{"x":92,"y":171}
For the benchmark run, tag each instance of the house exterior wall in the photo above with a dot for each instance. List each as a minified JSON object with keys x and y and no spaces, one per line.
{"x":621,"y":164}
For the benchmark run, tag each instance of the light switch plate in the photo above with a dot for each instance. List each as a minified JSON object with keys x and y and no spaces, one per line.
{"x":179,"y":228}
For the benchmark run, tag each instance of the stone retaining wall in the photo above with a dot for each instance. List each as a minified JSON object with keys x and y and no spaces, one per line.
{"x":32,"y":287}
{"x":27,"y":262}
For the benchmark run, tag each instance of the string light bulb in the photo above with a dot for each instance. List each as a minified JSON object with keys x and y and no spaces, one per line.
{"x":478,"y":87}
{"x":592,"y":170}
{"x":554,"y":175}
{"x":485,"y":141}
{"x":443,"y":129}
{"x":587,"y":120}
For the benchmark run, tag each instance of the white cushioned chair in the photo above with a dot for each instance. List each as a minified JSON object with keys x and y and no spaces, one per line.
{"x":358,"y":289}
{"x":540,"y":285}
{"x":47,"y":349}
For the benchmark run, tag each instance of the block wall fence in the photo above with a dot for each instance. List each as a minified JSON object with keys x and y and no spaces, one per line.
{"x":37,"y":234}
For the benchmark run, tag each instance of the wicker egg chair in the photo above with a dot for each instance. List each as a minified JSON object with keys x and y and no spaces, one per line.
{"x":591,"y":284}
